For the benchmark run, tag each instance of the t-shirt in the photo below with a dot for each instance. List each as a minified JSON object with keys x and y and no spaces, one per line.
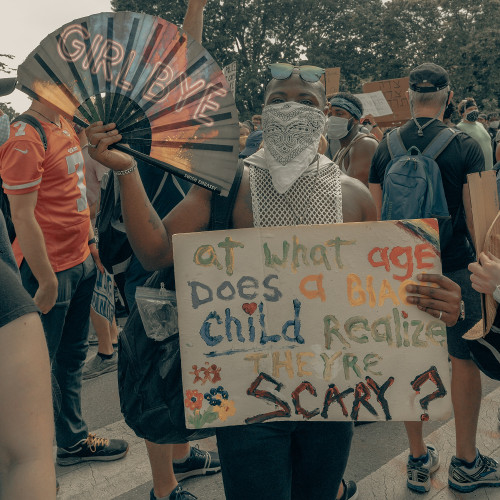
{"x":15,"y":301}
{"x":58,"y":175}
{"x":462,"y":156}
{"x":479,"y":133}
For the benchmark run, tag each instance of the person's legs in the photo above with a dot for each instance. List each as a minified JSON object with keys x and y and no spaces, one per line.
{"x":160,"y":459}
{"x":257,"y":461}
{"x":319,"y":453}
{"x":414,"y":431}
{"x":71,"y":354}
{"x":102,"y":329}
{"x":26,"y":419}
{"x":466,"y":398}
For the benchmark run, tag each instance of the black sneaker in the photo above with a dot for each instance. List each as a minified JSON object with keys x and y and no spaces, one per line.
{"x":350,"y":491}
{"x":177,"y":494}
{"x":199,"y":463}
{"x":92,"y":449}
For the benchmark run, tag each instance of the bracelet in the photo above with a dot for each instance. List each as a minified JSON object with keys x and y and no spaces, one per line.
{"x":129,"y":170}
{"x":92,"y":241}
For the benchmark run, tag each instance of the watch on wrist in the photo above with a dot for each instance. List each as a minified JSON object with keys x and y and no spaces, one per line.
{"x":496,"y":293}
{"x":92,"y":241}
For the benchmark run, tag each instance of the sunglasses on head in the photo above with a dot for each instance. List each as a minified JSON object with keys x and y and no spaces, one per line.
{"x":283,"y":71}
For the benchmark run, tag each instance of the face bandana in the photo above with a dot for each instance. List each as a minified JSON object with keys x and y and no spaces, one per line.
{"x":337,"y":127}
{"x":292,"y":132}
{"x":472,"y":116}
{"x":494,"y":125}
{"x":4,"y":128}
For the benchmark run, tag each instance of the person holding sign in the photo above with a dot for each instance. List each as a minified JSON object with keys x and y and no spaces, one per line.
{"x":281,"y":186}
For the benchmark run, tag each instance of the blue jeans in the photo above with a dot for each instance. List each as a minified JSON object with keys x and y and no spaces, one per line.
{"x":284,"y":460}
{"x":66,"y":329}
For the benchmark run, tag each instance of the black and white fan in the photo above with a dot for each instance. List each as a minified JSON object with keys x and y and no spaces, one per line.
{"x":164,"y":91}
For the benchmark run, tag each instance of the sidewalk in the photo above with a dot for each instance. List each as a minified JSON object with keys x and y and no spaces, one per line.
{"x":106,"y":481}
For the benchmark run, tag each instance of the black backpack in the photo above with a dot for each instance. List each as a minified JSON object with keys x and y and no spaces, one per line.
{"x":4,"y":201}
{"x":149,"y":372}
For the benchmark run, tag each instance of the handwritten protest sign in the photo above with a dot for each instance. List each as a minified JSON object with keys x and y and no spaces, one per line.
{"x":395,"y":92}
{"x":103,"y":299}
{"x":309,"y":322}
{"x":229,"y":72}
{"x":374,"y":104}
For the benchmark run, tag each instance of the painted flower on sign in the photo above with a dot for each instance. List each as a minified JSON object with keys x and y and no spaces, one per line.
{"x":194,"y":400}
{"x":225,"y":409}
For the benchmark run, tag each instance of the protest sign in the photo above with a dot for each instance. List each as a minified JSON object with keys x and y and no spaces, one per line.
{"x":395,"y":92}
{"x":103,"y":300}
{"x":309,"y":322}
{"x":229,"y":72}
{"x":374,"y":104}
{"x":331,"y":79}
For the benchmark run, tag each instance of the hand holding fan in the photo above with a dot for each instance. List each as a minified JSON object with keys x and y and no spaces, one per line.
{"x":163,"y":90}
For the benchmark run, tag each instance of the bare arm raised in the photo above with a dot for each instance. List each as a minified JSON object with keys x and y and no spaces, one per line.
{"x":149,"y":236}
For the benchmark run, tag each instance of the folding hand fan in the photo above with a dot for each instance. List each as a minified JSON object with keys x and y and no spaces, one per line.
{"x":164,"y":91}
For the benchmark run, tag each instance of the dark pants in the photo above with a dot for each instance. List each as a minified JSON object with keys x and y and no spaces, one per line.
{"x":66,"y":331}
{"x":284,"y":460}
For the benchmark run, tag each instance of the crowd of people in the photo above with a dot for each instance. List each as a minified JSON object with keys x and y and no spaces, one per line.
{"x":48,"y":273}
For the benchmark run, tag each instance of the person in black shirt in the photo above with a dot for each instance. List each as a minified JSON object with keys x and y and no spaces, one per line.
{"x":26,"y":419}
{"x":429,"y":95}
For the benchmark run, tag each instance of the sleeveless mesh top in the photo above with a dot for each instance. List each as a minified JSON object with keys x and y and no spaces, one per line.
{"x":315,"y":197}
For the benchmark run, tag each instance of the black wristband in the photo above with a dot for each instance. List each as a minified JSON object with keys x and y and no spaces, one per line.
{"x":92,"y":241}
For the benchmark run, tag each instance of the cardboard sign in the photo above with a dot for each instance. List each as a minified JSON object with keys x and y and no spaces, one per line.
{"x":395,"y":92}
{"x":309,"y":323}
{"x":103,"y":299}
{"x":332,"y":79}
{"x":229,"y":72}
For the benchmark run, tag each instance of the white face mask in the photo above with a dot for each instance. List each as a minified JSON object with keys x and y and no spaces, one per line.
{"x":4,"y":128}
{"x":337,"y":127}
{"x":494,"y":125}
{"x":291,"y":132}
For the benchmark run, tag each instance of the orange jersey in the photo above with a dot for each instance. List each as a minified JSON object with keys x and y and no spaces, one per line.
{"x":59,"y":177}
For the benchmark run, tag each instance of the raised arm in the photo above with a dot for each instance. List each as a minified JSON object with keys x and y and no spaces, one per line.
{"x":149,"y":236}
{"x":193,"y":21}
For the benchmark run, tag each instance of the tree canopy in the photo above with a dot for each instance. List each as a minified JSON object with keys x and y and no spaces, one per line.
{"x":369,"y":40}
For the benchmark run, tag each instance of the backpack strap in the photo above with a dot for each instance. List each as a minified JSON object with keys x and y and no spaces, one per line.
{"x":395,"y":143}
{"x":221,"y":208}
{"x":440,"y":143}
{"x":31,"y":120}
{"x":342,"y":153}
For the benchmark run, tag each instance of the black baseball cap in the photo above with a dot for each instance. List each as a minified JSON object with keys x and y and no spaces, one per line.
{"x":7,"y":85}
{"x":428,"y":73}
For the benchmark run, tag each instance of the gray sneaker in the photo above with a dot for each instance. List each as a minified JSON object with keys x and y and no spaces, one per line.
{"x":419,"y":473}
{"x":97,"y":366}
{"x":485,"y":472}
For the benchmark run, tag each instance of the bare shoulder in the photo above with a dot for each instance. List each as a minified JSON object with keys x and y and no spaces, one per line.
{"x":357,"y":202}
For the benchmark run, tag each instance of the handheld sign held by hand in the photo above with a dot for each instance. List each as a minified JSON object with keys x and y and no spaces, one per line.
{"x":309,"y":323}
{"x":163,"y":90}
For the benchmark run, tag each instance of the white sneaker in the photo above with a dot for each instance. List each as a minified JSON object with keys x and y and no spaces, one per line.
{"x":419,"y":473}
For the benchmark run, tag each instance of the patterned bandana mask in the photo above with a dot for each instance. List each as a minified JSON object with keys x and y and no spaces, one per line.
{"x":292,"y":132}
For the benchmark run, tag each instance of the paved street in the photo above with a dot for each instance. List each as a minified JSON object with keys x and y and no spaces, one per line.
{"x":377,"y":460}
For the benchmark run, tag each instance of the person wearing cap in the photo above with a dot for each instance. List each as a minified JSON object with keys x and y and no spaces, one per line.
{"x":429,"y":94}
{"x":254,"y":140}
{"x":356,"y":147}
{"x":470,"y":124}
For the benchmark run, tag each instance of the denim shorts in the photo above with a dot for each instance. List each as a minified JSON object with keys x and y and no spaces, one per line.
{"x":457,"y":346}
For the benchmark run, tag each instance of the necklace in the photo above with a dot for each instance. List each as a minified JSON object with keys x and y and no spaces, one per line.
{"x":300,"y":218}
{"x":41,"y":114}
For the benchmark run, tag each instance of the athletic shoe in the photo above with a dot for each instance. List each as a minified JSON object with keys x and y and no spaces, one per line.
{"x":93,"y":340}
{"x":484,"y":473}
{"x":419,"y":473}
{"x":350,"y":491}
{"x":199,"y":463}
{"x":92,"y":449}
{"x":97,"y":366}
{"x":177,"y":494}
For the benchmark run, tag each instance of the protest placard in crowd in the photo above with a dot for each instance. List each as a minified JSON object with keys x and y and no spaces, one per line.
{"x":229,"y":72}
{"x":394,"y":91}
{"x":331,"y":80}
{"x":309,"y":323}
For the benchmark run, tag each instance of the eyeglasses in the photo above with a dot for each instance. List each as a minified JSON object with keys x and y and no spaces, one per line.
{"x":283,"y":71}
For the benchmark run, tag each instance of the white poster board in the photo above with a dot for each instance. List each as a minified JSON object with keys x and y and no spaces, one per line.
{"x":229,"y":72}
{"x":374,"y":104}
{"x":103,"y":299}
{"x":309,"y":322}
